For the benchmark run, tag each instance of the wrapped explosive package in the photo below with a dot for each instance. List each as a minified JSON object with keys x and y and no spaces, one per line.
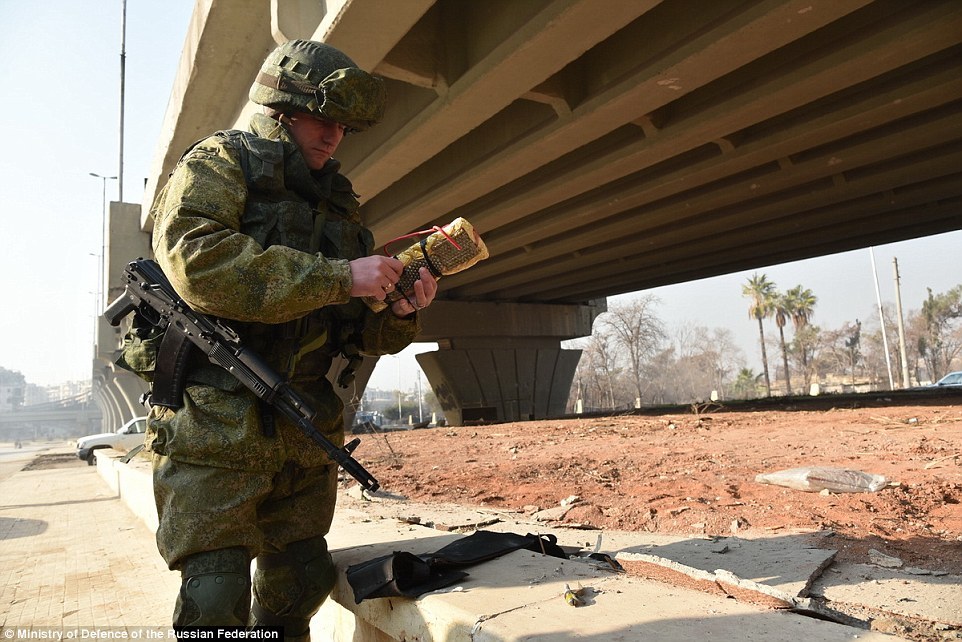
{"x":446,"y":250}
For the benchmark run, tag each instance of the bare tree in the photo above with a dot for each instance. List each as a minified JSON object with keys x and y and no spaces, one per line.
{"x":683,"y":381}
{"x":877,"y":363}
{"x":804,"y":350}
{"x":721,"y":356}
{"x":853,"y":343}
{"x":661,"y":382}
{"x":835,"y":356}
{"x":597,"y":371}
{"x":942,"y":339}
{"x":707,"y":360}
{"x":638,"y":332}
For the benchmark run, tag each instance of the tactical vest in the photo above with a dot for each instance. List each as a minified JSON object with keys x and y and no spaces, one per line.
{"x":289,"y":206}
{"x":279,"y":212}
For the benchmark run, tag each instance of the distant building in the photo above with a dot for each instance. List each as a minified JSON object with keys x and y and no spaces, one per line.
{"x":376,"y":395}
{"x":12,"y":388}
{"x":35,"y":395}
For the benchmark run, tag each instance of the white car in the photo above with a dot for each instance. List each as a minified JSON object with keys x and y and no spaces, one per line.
{"x":951,"y":380}
{"x":128,"y":436}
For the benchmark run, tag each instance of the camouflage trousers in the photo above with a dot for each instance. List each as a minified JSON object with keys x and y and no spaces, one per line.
{"x":213,"y":521}
{"x":206,"y":508}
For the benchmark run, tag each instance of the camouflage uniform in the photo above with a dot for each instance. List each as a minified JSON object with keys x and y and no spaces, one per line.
{"x":247,"y":232}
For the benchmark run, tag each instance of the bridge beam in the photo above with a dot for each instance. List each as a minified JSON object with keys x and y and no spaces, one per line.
{"x":503,"y":361}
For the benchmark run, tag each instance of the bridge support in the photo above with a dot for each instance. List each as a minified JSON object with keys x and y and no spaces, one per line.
{"x":117,"y":391}
{"x":503,"y":361}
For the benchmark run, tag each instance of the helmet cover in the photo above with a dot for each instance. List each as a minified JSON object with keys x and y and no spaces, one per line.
{"x":313,"y":77}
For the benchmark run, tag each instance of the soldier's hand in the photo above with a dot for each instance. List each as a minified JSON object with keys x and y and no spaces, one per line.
{"x":375,"y":276}
{"x":425,"y":289}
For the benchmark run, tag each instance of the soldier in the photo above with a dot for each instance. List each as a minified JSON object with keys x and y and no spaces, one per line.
{"x":259,"y":228}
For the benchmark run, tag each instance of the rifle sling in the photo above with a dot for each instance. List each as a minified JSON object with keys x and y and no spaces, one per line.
{"x":170,"y":373}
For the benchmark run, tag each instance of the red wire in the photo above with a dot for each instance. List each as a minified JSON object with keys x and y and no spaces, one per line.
{"x":419,"y":233}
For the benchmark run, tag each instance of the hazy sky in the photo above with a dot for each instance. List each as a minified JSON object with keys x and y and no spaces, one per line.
{"x":60,"y":79}
{"x":60,"y":62}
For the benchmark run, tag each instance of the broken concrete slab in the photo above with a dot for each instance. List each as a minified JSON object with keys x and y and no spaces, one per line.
{"x":854,"y":587}
{"x":771,"y":571}
{"x":554,"y":514}
{"x":642,"y":610}
{"x":520,"y":596}
{"x":774,"y":583}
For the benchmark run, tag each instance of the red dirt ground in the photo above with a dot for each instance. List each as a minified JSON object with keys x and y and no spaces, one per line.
{"x":694,"y":473}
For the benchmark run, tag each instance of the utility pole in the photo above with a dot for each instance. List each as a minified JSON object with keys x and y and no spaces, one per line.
{"x":101,"y":277}
{"x":123,"y":63}
{"x":398,"y":388}
{"x":881,"y":320}
{"x":898,"y":310}
{"x":420,"y":409}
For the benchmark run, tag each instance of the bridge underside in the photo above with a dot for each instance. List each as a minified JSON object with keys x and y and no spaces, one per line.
{"x":604,"y":146}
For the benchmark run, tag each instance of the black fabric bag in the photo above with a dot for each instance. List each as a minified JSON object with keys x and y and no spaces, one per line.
{"x":402,"y":574}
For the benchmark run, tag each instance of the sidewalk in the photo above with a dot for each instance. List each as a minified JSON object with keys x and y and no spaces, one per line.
{"x":73,"y":555}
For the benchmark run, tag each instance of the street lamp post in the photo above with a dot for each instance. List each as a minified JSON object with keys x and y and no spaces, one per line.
{"x":420,"y":397}
{"x":398,"y":389}
{"x":97,"y":308}
{"x":103,"y":236}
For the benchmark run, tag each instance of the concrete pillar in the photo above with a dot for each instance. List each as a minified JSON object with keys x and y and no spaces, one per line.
{"x":503,"y":361}
{"x":117,"y":391}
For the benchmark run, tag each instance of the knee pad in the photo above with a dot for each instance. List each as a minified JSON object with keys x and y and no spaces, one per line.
{"x":215,"y":589}
{"x":289,"y":587}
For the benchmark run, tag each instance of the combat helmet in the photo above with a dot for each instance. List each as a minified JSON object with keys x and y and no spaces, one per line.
{"x":308,"y":76}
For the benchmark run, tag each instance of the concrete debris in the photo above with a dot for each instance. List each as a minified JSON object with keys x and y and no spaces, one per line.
{"x":764,"y":571}
{"x":782,"y":572}
{"x":862,"y":589}
{"x":881,"y":559}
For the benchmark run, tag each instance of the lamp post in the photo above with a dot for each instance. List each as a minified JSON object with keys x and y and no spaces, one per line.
{"x":97,"y":308}
{"x":103,"y":235}
{"x":398,"y":388}
{"x":420,"y":397}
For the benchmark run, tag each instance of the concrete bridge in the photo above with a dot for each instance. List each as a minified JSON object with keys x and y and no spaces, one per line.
{"x":73,"y":417}
{"x":600,"y":147}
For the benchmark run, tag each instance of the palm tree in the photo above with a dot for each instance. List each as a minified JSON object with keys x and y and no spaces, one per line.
{"x":745,"y":385}
{"x":782,"y":312}
{"x":800,"y":304}
{"x":762,"y":293}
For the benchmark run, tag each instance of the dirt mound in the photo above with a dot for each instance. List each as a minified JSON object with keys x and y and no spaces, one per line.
{"x":695,"y":474}
{"x":55,"y":460}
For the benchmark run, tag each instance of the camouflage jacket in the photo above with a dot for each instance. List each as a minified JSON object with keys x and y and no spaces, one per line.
{"x":246,"y":232}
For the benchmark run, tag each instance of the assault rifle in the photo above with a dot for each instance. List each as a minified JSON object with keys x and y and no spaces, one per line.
{"x":150,"y":295}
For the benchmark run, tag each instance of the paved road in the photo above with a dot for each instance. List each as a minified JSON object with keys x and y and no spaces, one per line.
{"x":13,"y":459}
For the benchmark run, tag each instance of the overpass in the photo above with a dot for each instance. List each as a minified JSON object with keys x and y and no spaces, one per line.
{"x":73,"y":417}
{"x":603,"y":147}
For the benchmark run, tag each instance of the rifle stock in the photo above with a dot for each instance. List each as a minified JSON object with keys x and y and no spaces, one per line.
{"x":150,"y":294}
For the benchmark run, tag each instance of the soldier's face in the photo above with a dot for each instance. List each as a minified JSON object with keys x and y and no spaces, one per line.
{"x":317,"y":137}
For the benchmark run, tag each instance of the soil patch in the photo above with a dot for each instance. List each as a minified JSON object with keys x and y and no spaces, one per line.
{"x":57,"y":460}
{"x":694,"y":473}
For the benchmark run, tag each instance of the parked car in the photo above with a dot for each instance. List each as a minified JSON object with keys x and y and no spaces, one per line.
{"x":128,"y":436}
{"x":951,"y":380}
